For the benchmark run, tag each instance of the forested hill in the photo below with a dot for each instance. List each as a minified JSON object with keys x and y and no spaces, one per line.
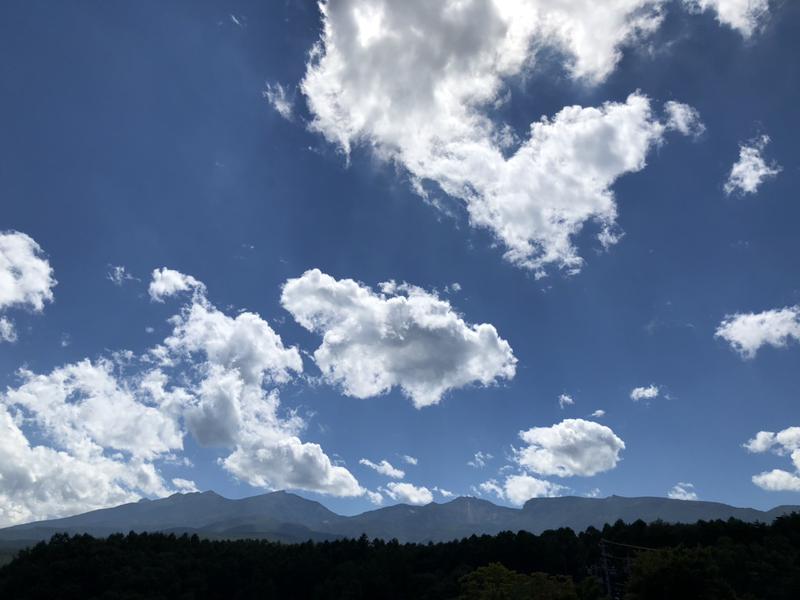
{"x":719,"y":560}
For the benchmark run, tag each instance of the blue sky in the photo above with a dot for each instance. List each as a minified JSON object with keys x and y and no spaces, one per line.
{"x":146,"y":136}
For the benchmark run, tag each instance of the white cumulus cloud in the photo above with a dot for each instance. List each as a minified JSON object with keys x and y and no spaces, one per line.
{"x":745,"y":16}
{"x":783,"y":443}
{"x":168,"y":282}
{"x":751,"y":170}
{"x":384,"y":468}
{"x":565,"y":400}
{"x":402,"y":336}
{"x":107,"y":425}
{"x":415,"y":81}
{"x":748,"y":332}
{"x":572,"y":447}
{"x":83,"y":405}
{"x":409,"y":493}
{"x":40,"y":481}
{"x":26,"y":278}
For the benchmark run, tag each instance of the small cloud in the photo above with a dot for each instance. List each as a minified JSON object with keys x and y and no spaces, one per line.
{"x":751,"y":170}
{"x":684,"y":119}
{"x":66,"y":340}
{"x":644,"y":393}
{"x":443,"y":493}
{"x":410,"y":459}
{"x":565,"y":400}
{"x":384,"y":468}
{"x":239,"y":21}
{"x":184,"y":485}
{"x":407,"y":492}
{"x":283,"y":103}
{"x":480,"y":459}
{"x":375,"y":497}
{"x":8,"y":333}
{"x":118,"y":275}
{"x":599,"y":413}
{"x":593,"y":493}
{"x":682,"y":491}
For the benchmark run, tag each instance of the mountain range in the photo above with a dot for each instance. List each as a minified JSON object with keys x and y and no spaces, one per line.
{"x":282,"y":516}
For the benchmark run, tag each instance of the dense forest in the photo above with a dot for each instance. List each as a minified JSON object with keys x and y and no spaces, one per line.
{"x":716,"y":560}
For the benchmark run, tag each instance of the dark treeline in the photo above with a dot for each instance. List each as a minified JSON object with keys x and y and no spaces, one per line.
{"x":716,"y":560}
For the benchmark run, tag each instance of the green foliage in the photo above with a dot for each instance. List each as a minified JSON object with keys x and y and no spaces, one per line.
{"x":689,"y":574}
{"x":496,"y":582}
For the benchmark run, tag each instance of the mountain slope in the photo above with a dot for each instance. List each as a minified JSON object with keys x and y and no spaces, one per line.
{"x":287,"y":517}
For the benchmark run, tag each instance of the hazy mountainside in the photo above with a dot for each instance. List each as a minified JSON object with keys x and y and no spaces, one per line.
{"x":286,"y":517}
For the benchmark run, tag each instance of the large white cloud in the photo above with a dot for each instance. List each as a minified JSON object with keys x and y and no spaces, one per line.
{"x":402,"y":336}
{"x":572,"y":447}
{"x":748,"y":332}
{"x":37,"y":481}
{"x":26,"y":278}
{"x":746,"y":16}
{"x":236,"y":358}
{"x":751,"y":170}
{"x":416,"y":81}
{"x":82,"y":405}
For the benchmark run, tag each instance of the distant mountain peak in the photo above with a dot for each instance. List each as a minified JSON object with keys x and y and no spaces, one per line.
{"x":288,"y":517}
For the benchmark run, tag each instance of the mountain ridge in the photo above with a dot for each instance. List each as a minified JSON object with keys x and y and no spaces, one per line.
{"x":283,"y":516}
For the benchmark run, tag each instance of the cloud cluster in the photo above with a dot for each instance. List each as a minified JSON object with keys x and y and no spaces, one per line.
{"x":572,"y":447}
{"x":782,"y":443}
{"x":745,"y":16}
{"x":107,"y":425}
{"x":26,"y":278}
{"x":751,"y":170}
{"x":416,"y":82}
{"x":39,"y":481}
{"x":235,"y":359}
{"x":402,"y":336}
{"x":748,"y":332}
